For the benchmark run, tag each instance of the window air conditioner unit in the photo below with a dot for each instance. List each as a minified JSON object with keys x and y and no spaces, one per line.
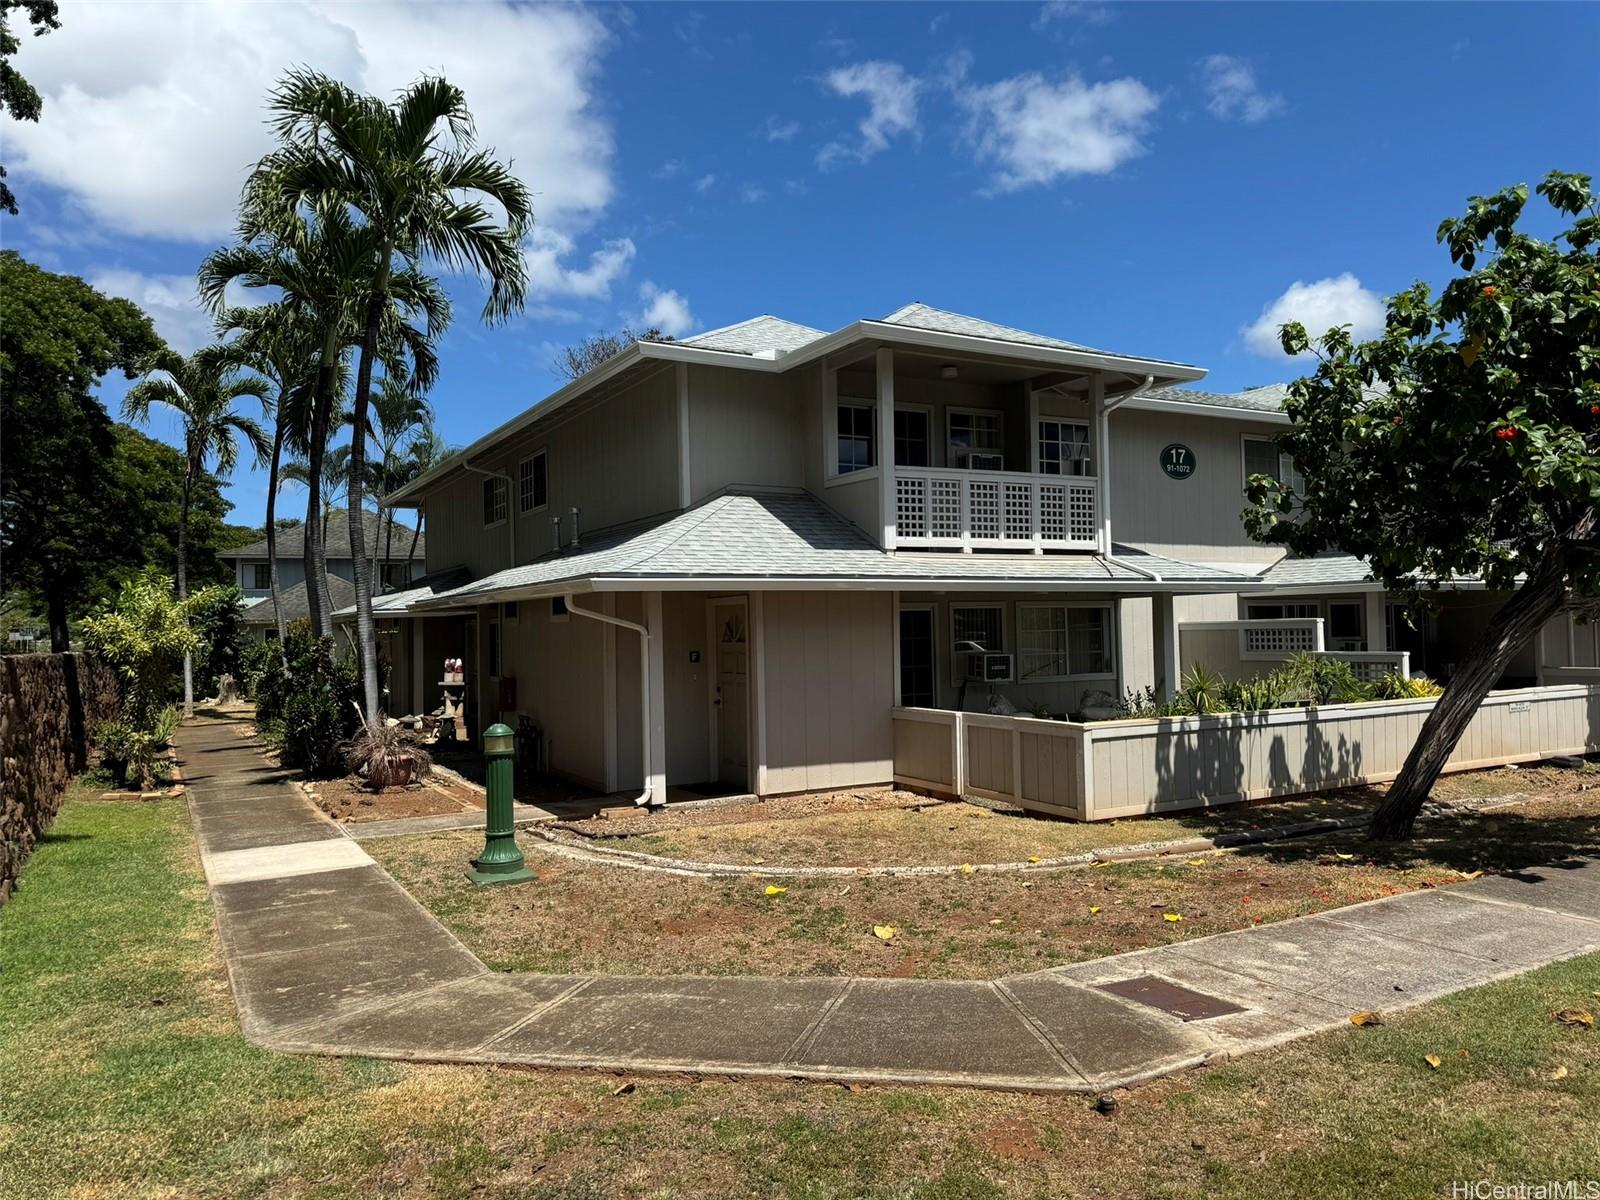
{"x":986,"y":462}
{"x":990,"y":668}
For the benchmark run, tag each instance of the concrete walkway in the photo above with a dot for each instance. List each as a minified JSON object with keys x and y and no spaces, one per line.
{"x":327,"y":954}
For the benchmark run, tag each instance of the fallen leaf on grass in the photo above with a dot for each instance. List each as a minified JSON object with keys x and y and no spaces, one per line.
{"x":1196,"y":862}
{"x":967,"y":868}
{"x":883,"y":932}
{"x":758,"y":861}
{"x":997,"y":921}
{"x":1344,"y":857}
{"x":1027,"y":885}
{"x":774,"y":890}
{"x":1365,"y":1017}
{"x":1558,"y":1073}
{"x":1575,"y":1016}
{"x":1093,"y":908}
{"x":1172,"y":916}
{"x":622,"y":1089}
{"x":1034,"y":858}
{"x":1433,"y":1060}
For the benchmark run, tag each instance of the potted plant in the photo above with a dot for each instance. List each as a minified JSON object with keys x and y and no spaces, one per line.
{"x":387,"y":756}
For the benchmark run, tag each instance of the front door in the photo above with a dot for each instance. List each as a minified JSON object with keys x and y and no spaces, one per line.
{"x":916,"y":658}
{"x":731,"y":645}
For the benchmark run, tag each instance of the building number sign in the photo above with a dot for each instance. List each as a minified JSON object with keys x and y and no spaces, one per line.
{"x":1177,"y":460}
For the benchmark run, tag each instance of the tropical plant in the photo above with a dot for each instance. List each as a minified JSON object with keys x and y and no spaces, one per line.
{"x":220,"y":640}
{"x":386,"y":755}
{"x":308,"y":710}
{"x":1462,"y":442}
{"x":410,"y":170}
{"x":1318,"y":679}
{"x":400,"y":415}
{"x":127,"y":751}
{"x":1200,"y":692}
{"x":201,"y":390}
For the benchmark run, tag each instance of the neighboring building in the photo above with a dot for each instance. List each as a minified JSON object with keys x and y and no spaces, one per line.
{"x":262,"y":622}
{"x":812,"y":528}
{"x":250,"y":568}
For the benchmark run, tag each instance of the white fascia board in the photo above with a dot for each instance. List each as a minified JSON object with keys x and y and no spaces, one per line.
{"x":1156,"y":404}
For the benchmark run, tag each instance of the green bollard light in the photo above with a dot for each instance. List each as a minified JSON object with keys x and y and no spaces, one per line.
{"x":501,"y":860}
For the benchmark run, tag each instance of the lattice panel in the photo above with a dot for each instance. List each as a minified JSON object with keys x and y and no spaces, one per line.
{"x":911,"y":506}
{"x":944,"y":508}
{"x":983,"y":503}
{"x":1082,"y":525}
{"x":1016,"y":512}
{"x":1279,"y":639}
{"x":1053,"y":512}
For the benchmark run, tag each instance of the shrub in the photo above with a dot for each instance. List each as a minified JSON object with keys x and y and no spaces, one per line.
{"x":309,"y":709}
{"x":130,"y":752}
{"x":386,"y":755}
{"x":1313,"y":679}
{"x":218,"y":622}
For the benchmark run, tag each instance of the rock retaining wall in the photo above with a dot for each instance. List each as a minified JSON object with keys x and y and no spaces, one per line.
{"x":51,"y":706}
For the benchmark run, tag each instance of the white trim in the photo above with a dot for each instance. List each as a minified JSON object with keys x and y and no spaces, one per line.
{"x":851,"y":477}
{"x":542,"y":451}
{"x":1112,"y":642}
{"x":1102,"y":448}
{"x":655,"y":672}
{"x":885,"y":446}
{"x":874,"y":452}
{"x":495,"y":481}
{"x":758,"y":684}
{"x":685,"y":482}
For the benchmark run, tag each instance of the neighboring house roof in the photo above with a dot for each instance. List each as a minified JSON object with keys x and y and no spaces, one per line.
{"x":1330,"y":571}
{"x":1252,"y":401}
{"x":789,"y":537}
{"x":341,"y":592}
{"x":425,"y":588}
{"x":759,"y":335}
{"x":335,"y":538}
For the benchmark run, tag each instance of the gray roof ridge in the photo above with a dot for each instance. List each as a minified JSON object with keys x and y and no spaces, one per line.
{"x":692,"y":338}
{"x":700,"y":514}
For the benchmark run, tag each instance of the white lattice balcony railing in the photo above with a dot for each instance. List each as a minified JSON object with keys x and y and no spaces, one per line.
{"x":936,"y":506}
{"x":1372,"y":665}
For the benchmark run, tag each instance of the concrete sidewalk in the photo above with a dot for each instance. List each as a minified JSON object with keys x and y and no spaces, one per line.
{"x":327,"y":954}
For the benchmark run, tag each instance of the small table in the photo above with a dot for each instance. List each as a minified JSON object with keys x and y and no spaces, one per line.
{"x":454,"y":703}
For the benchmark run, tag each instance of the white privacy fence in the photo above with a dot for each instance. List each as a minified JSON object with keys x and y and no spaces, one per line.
{"x":1111,"y":769}
{"x":937,"y":506}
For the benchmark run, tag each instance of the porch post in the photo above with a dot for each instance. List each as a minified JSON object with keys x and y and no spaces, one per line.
{"x":886,"y":499}
{"x":1102,"y":450}
{"x":1171,"y":651}
{"x":419,"y":669}
{"x":1377,"y":627}
{"x":655,"y":665}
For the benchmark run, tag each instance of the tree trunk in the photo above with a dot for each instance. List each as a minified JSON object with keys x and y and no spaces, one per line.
{"x":315,"y":555}
{"x":1518,"y":621}
{"x":411,"y":554}
{"x":355,"y":492}
{"x":55,"y":603}
{"x":272,"y":532}
{"x":183,"y":582}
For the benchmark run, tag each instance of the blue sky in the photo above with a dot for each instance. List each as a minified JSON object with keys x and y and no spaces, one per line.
{"x":1158,"y":179}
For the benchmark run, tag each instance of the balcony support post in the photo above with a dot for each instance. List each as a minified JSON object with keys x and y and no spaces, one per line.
{"x":886,"y":488}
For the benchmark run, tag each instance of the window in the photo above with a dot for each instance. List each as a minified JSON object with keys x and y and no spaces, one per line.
{"x":1280,"y":612}
{"x":980,"y":625}
{"x":1058,"y":641}
{"x":533,"y":483}
{"x":1063,"y":448}
{"x":917,"y":684}
{"x":558,"y":609}
{"x":855,"y":438}
{"x":975,"y":435}
{"x":494,"y":501}
{"x":262,"y":573}
{"x":911,"y":437}
{"x":1262,"y":457}
{"x":396,"y":574}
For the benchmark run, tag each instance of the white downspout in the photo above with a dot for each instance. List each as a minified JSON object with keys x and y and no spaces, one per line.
{"x":643,"y":798}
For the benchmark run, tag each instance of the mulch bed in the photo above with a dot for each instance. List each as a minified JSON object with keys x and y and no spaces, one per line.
{"x":348,"y":799}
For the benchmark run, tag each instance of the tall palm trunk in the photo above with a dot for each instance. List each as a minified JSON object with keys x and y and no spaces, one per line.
{"x":316,"y":552}
{"x":272,"y":531}
{"x":366,"y":632}
{"x":411,"y":554}
{"x":183,"y":579}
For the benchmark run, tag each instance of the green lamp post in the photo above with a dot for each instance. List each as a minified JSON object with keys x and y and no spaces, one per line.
{"x":501,"y":861}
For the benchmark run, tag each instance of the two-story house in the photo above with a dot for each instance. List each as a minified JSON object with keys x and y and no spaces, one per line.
{"x":398,"y":563}
{"x":721,"y":562}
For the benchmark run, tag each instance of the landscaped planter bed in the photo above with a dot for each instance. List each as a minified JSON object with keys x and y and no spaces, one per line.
{"x":349,"y":799}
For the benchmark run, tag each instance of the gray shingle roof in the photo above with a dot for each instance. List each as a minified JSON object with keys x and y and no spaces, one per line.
{"x":335,"y":538}
{"x":425,"y":588}
{"x":917,"y":315}
{"x":792,"y":536}
{"x":1266,"y":399}
{"x":341,"y":592}
{"x":1318,"y":572}
{"x":759,"y":335}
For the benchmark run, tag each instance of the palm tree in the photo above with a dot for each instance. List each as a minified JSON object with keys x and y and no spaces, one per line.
{"x":417,"y":189}
{"x":280,"y":344}
{"x":201,"y":389}
{"x":425,"y":452}
{"x":399,"y":414}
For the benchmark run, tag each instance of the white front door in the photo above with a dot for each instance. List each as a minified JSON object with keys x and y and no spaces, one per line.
{"x":730,"y":630}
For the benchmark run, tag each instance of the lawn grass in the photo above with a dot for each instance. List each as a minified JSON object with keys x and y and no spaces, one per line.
{"x":122,"y":1073}
{"x":949,"y":926}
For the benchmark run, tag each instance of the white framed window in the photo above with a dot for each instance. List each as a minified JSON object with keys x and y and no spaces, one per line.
{"x":558,"y":609}
{"x":1064,"y":447}
{"x":913,"y":443}
{"x":855,"y":423}
{"x":1262,"y":457}
{"x":494,"y":502}
{"x":983,"y":625}
{"x":262,"y":573}
{"x":533,"y":482}
{"x":975,"y":439}
{"x":1064,"y":641}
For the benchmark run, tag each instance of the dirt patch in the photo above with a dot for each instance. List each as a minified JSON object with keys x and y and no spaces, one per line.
{"x":349,"y":800}
{"x":640,"y":822}
{"x":585,"y":918}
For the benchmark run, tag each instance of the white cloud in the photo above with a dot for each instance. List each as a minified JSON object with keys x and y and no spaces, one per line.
{"x":1071,"y":11}
{"x":665,"y":310}
{"x":1036,"y":131}
{"x":781,"y":131}
{"x":1319,"y":307}
{"x":752,"y":193}
{"x":1232,"y":92}
{"x":547,"y":251}
{"x":670,"y":169}
{"x":154,"y":111}
{"x":170,"y":301}
{"x":891,"y":108}
{"x":705,"y":183}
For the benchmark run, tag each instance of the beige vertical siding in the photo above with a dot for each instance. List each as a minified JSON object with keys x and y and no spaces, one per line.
{"x":558,"y":666}
{"x":856,"y":500}
{"x":745,"y":429}
{"x":1136,"y":643}
{"x":1195,"y":518}
{"x":829,"y":688}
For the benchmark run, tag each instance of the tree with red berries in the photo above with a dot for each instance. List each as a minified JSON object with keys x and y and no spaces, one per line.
{"x":1462,"y":443}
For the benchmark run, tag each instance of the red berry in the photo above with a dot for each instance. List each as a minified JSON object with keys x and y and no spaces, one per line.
{"x":1506,"y":433}
{"x":1489,"y":291}
{"x":1397,"y":420}
{"x":1594,"y":410}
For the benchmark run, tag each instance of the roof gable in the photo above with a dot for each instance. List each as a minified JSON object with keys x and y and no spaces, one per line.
{"x":765,"y":335}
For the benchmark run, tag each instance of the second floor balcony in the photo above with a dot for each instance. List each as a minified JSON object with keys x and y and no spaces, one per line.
{"x":953,"y":509}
